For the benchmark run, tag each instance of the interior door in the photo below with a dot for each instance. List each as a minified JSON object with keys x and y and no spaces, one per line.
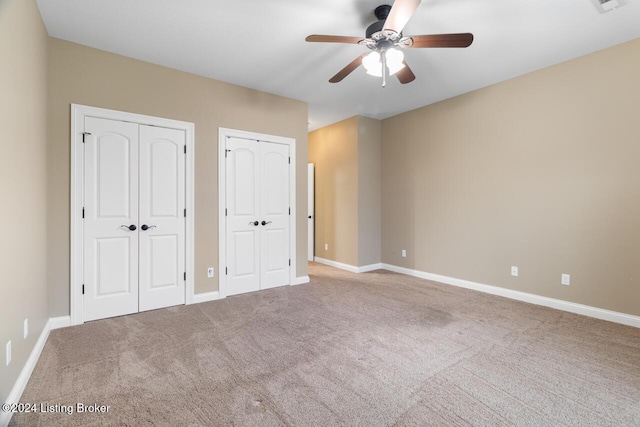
{"x":310,"y":211}
{"x":110,"y":264}
{"x":162,"y":217}
{"x":274,"y":214}
{"x":243,"y":216}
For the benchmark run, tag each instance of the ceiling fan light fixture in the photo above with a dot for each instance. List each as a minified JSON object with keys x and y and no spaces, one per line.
{"x":373,"y":63}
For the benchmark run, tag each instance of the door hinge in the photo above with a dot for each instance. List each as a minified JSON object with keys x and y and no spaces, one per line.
{"x":226,"y":271}
{"x":289,"y":262}
{"x":185,"y":275}
{"x":82,"y":213}
{"x":289,"y":211}
{"x":225,"y":211}
{"x":226,"y":152}
{"x":289,"y":160}
{"x":84,"y":134}
{"x":185,"y":149}
{"x":83,"y":289}
{"x":185,"y":213}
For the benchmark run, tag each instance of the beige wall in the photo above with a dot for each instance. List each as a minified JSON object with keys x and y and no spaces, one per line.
{"x":369,"y":191}
{"x":83,"y":75}
{"x":334,"y":151}
{"x":347,"y":190}
{"x":23,"y":120}
{"x":540,"y":172}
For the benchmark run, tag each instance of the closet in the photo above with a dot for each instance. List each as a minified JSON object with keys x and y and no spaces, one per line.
{"x":257,"y":214}
{"x":133,"y":217}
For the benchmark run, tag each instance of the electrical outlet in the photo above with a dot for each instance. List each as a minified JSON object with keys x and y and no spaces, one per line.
{"x":210,"y":272}
{"x":404,"y":253}
{"x":514,"y":270}
{"x":8,"y":353}
{"x":26,"y":328}
{"x":326,"y":246}
{"x":566,"y":279}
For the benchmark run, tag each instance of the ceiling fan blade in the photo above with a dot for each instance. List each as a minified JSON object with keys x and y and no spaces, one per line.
{"x":347,"y":70}
{"x":332,"y":39}
{"x":405,"y":75}
{"x":400,"y":13}
{"x":443,"y":40}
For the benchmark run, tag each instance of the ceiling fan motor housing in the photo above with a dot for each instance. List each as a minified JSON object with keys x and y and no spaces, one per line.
{"x":381,"y":12}
{"x":374,"y":28}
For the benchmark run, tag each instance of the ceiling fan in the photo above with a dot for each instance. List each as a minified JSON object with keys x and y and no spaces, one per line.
{"x":385,"y":40}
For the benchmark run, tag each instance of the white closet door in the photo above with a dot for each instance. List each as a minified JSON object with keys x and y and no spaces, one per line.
{"x":110,"y":262}
{"x":274,"y":215}
{"x":243,"y":215}
{"x":162,"y":217}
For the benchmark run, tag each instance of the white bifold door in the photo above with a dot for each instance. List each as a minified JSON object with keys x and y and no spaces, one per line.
{"x":257,"y":215}
{"x":134,"y":218}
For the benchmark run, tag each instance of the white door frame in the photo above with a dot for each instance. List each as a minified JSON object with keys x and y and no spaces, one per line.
{"x":78,"y":113}
{"x":223,"y":133}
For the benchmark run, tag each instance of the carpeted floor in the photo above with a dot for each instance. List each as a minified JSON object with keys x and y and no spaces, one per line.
{"x":373,"y":349}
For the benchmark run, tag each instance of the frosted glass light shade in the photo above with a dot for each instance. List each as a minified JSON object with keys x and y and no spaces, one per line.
{"x":373,"y":63}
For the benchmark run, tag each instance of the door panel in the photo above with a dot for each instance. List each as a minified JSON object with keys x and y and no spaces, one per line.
{"x":162,"y":202}
{"x":114,"y":170}
{"x":274,"y":194}
{"x":275,"y":251}
{"x":112,"y":258}
{"x":164,"y":267}
{"x":310,"y":211}
{"x":243,"y":269}
{"x":110,"y":264}
{"x":243,"y":182}
{"x":244,"y":244}
{"x":164,"y":158}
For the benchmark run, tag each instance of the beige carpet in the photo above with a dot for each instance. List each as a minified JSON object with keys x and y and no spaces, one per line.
{"x":373,"y":349}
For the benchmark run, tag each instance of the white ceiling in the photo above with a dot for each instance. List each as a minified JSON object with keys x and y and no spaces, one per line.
{"x":260,"y":44}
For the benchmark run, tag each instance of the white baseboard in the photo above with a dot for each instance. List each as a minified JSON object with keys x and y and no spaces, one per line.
{"x":571,"y":307}
{"x":206,"y":296}
{"x":370,"y":267}
{"x":348,"y":267}
{"x":301,"y":280}
{"x":18,"y":387}
{"x":59,"y":322}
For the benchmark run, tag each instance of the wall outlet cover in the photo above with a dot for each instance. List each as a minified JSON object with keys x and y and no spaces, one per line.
{"x":514,"y":270}
{"x":404,"y":253}
{"x":566,"y":279}
{"x":210,"y":272}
